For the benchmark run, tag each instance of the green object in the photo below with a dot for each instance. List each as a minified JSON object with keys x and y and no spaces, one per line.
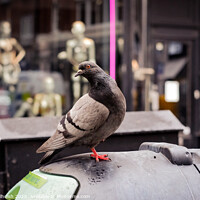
{"x":43,"y":186}
{"x":34,"y":180}
{"x":25,"y":96}
{"x":13,"y":193}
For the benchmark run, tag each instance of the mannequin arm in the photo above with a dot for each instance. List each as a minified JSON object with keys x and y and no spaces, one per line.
{"x":36,"y":104}
{"x":62,"y":55}
{"x":58,"y":103}
{"x":21,"y":52}
{"x":92,"y":51}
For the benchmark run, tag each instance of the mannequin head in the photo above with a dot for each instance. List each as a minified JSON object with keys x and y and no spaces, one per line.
{"x":5,"y":29}
{"x":78,"y":28}
{"x":49,"y":85}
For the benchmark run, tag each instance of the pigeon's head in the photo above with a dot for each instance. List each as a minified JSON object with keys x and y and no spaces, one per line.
{"x":88,"y":69}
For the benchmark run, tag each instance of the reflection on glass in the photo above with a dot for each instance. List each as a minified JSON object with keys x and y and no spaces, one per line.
{"x":47,"y":103}
{"x":172,"y":91}
{"x":57,"y":36}
{"x":25,"y":110}
{"x":11,"y":53}
{"x":78,"y":49}
{"x":171,"y":65}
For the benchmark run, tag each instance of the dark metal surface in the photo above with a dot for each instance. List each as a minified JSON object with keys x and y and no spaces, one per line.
{"x":130,"y":175}
{"x":176,"y":154}
{"x":196,"y":158}
{"x":21,"y":137}
{"x":20,"y":159}
{"x":20,"y":156}
{"x":2,"y":169}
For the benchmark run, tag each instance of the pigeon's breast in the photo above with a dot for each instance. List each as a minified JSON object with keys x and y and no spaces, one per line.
{"x":114,"y":100}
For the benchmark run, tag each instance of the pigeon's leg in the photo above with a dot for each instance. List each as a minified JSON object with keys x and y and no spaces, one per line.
{"x":98,"y":157}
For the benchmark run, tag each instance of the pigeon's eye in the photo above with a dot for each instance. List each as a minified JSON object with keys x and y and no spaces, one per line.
{"x":88,"y":67}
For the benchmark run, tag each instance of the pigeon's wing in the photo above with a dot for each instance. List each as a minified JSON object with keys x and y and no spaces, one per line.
{"x":56,"y":141}
{"x":86,"y":116}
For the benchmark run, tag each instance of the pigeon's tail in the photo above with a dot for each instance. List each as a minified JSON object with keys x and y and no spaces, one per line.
{"x":48,"y":156}
{"x":51,"y":147}
{"x":57,"y":141}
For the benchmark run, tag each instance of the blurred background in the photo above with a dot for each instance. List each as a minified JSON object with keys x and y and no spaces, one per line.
{"x":157,"y":55}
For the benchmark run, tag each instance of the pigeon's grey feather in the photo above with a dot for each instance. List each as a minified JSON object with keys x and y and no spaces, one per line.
{"x":57,"y":141}
{"x":94,"y":117}
{"x":46,"y":157}
{"x":88,"y":114}
{"x":84,"y":118}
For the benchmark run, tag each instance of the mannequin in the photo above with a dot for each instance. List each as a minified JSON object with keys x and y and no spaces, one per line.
{"x":78,"y":50}
{"x":47,"y":103}
{"x":25,"y":109}
{"x":11,"y":53}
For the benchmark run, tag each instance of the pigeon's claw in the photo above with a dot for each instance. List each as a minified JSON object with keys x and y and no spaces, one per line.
{"x":99,"y":157}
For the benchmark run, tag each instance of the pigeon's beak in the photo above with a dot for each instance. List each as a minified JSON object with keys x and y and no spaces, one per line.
{"x":78,"y":73}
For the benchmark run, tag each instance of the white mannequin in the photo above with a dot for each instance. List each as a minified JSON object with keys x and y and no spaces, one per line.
{"x":78,"y":50}
{"x":11,"y":53}
{"x":47,"y":103}
{"x":25,"y":108}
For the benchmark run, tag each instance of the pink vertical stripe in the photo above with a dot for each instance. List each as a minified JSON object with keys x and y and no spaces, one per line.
{"x":112,"y":38}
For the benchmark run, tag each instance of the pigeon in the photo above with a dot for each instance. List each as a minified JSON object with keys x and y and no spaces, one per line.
{"x":93,"y":118}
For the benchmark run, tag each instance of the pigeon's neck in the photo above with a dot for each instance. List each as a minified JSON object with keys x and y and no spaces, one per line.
{"x":99,"y":82}
{"x":101,"y":91}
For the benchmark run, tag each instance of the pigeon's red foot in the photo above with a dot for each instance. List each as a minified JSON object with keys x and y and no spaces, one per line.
{"x":99,"y":157}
